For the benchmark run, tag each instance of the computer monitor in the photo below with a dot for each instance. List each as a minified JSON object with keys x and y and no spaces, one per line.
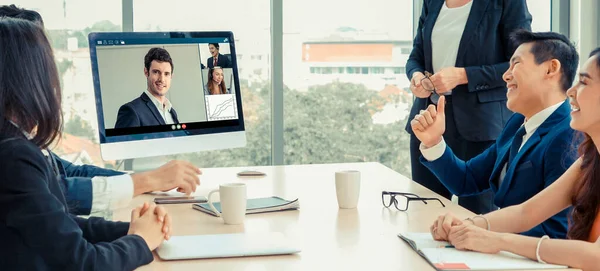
{"x":157,"y":94}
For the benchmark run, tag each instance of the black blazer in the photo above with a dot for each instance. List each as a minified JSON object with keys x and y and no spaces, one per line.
{"x":37,"y":231}
{"x":141,"y":112}
{"x":222,"y":61}
{"x":480,"y":111}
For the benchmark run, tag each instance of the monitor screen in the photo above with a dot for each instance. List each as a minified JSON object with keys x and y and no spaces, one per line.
{"x":160,"y":93}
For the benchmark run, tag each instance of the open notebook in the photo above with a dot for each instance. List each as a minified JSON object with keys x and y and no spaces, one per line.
{"x":442,"y":256}
{"x":254,"y":206}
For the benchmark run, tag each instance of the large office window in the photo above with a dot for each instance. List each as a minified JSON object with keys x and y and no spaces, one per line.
{"x":250,"y":23}
{"x":541,"y":14}
{"x":67,"y":23}
{"x":351,"y":116}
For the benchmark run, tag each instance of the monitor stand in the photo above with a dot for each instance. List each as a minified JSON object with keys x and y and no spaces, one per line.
{"x":144,"y":164}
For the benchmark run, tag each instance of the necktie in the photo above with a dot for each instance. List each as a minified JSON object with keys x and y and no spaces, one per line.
{"x":214,"y":62}
{"x":516,"y":144}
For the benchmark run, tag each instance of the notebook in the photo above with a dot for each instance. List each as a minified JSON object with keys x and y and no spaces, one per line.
{"x":253,"y":206}
{"x":443,"y":256}
{"x":225,"y":245}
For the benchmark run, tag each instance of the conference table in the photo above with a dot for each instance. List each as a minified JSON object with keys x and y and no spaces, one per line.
{"x":330,"y":238}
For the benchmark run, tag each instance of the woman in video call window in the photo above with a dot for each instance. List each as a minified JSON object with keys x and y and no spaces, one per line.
{"x":216,"y":84}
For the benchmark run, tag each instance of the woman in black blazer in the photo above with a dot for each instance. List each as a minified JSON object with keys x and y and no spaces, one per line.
{"x":36,"y":230}
{"x":471,"y":78}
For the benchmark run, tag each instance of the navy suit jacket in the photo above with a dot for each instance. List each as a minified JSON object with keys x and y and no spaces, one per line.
{"x":484,"y":50}
{"x":77,"y":182}
{"x":37,"y":232}
{"x":222,"y":61}
{"x":141,"y":112}
{"x":543,"y":158}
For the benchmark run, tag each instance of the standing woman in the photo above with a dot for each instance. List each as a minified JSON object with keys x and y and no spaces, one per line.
{"x":36,"y":230}
{"x":465,"y":45}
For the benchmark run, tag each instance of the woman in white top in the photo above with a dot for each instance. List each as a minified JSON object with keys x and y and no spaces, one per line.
{"x":465,"y":45}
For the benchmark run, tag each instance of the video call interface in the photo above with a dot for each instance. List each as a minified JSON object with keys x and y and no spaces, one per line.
{"x":168,"y":87}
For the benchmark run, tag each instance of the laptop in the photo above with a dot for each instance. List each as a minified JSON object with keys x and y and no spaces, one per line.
{"x":225,"y":245}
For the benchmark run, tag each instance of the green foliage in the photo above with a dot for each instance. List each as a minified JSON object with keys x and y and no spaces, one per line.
{"x":79,"y":127}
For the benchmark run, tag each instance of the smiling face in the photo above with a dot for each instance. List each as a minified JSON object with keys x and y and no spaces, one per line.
{"x":585,"y":98}
{"x":213,"y":50}
{"x":217,"y":76}
{"x":158,"y":78}
{"x":524,"y":79}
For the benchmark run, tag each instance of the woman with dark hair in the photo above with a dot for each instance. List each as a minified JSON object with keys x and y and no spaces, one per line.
{"x":579,"y":187}
{"x":36,"y":230}
{"x":216,"y":84}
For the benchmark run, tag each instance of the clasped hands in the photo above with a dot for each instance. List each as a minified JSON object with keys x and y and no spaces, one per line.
{"x":443,"y":81}
{"x":464,"y":234}
{"x":152,"y":223}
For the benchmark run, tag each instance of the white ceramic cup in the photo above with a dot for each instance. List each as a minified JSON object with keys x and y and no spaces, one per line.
{"x":347,"y":188}
{"x":233,"y":202}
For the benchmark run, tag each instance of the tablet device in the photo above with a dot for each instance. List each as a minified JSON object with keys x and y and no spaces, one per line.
{"x":226,"y":245}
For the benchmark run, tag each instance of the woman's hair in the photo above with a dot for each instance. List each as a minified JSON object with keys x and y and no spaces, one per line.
{"x":211,"y":83}
{"x":586,"y":198}
{"x":30,"y":95}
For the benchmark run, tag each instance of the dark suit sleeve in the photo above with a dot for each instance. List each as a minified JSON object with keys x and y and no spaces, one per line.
{"x":31,"y":211}
{"x":127,"y":117}
{"x":416,"y":59}
{"x":73,"y":170}
{"x":559,"y":156}
{"x":79,"y":194}
{"x":515,"y":15}
{"x":227,"y":62}
{"x":460,"y":177}
{"x":96,"y":229}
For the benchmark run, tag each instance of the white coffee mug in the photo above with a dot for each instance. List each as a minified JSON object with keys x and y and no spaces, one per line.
{"x":233,"y":202}
{"x":347,"y":187}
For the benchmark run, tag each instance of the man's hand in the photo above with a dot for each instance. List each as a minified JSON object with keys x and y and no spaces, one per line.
{"x":416,"y":87}
{"x":448,"y":78}
{"x":429,"y":125}
{"x":175,"y":174}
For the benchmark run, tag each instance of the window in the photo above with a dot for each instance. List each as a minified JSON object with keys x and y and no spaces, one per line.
{"x":250,"y":23}
{"x":354,"y":116}
{"x":541,"y":15}
{"x":68,"y":23}
{"x":406,"y":50}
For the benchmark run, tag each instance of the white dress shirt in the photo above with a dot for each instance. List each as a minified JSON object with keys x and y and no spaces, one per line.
{"x":435,"y":152}
{"x":164,"y":110}
{"x":446,"y":35}
{"x":110,"y":193}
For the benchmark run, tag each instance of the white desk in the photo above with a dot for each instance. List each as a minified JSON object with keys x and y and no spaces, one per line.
{"x":330,"y":238}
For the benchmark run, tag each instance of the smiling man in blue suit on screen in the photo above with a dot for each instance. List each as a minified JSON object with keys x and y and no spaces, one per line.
{"x":536,"y":145}
{"x":152,"y":107}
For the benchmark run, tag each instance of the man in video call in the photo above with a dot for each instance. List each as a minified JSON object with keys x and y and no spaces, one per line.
{"x":217,"y":59}
{"x":152,"y":107}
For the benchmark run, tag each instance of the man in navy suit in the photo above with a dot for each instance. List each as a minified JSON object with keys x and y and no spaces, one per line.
{"x":152,"y":107}
{"x":536,"y":145}
{"x":217,"y":59}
